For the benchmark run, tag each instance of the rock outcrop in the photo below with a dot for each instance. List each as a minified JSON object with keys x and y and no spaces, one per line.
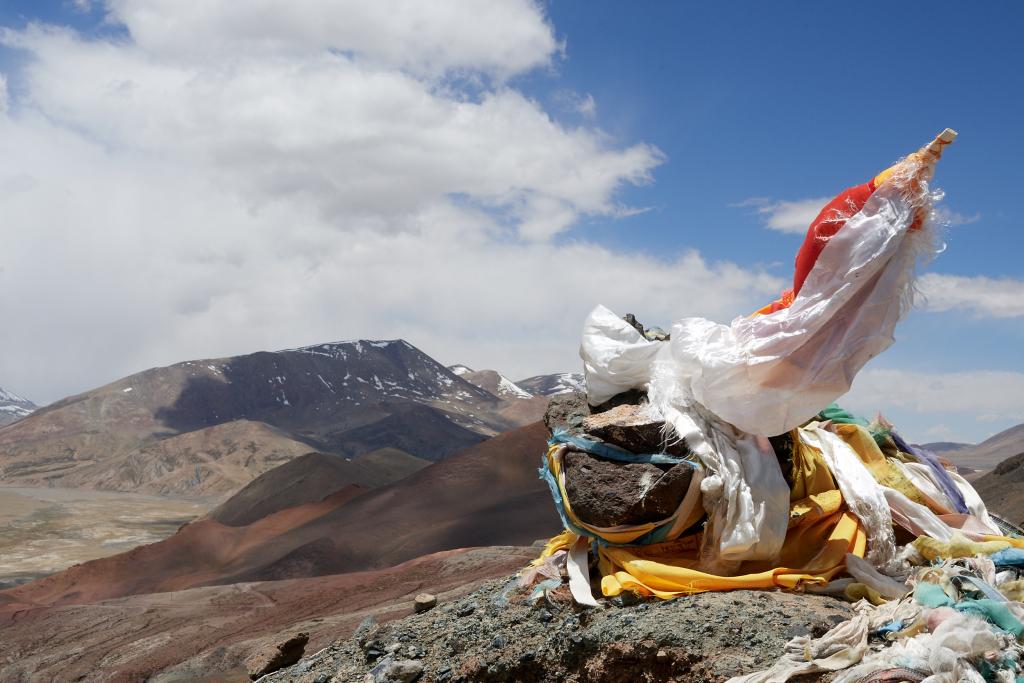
{"x":605,"y":492}
{"x":497,"y":634}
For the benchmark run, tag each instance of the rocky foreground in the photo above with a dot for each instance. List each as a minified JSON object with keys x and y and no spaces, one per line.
{"x":497,"y":634}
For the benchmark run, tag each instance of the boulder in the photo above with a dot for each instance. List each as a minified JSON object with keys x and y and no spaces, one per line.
{"x":566,"y":411}
{"x":276,"y":655}
{"x":633,"y":428}
{"x":424,"y":602}
{"x":390,"y":670}
{"x":608,"y":493}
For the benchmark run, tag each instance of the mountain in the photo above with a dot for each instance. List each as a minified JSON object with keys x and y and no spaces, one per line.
{"x":460,"y":370}
{"x":990,"y":452}
{"x":310,"y":478}
{"x":207,"y":427}
{"x":485,"y":495}
{"x":1002,"y":489}
{"x":945,"y":446}
{"x":13,"y":407}
{"x":520,"y":406}
{"x":550,"y":385}
{"x":492,"y":382}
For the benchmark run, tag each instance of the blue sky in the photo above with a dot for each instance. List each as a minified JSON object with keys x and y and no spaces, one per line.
{"x":695,"y":109}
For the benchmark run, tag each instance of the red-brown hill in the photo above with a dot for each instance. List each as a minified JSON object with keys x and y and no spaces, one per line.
{"x":311,"y":478}
{"x":205,"y":634}
{"x":488,"y":494}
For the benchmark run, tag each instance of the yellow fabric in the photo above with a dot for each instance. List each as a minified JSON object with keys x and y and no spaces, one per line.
{"x":884,"y":472}
{"x":812,"y":553}
{"x":862,"y":591}
{"x":1014,"y":542}
{"x":1013,"y":590}
{"x":814,"y":507}
{"x":562,"y":541}
{"x":884,"y":175}
{"x":958,"y":546}
{"x":810,"y":475}
{"x":821,"y":533}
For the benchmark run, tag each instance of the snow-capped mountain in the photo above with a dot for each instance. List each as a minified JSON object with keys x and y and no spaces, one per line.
{"x":460,"y":370}
{"x":163,"y":428}
{"x":491,"y":381}
{"x":13,"y":407}
{"x":550,"y":385}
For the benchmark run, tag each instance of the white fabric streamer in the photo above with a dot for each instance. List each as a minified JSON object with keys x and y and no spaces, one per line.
{"x":578,"y":569}
{"x":974,"y":503}
{"x":861,"y":492}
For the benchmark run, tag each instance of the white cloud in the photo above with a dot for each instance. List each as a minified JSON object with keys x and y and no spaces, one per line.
{"x":164,"y":202}
{"x":979,"y":295}
{"x":981,"y":402}
{"x":572,"y":101}
{"x":501,"y":38}
{"x":953,"y":218}
{"x":787,"y":216}
{"x":587,"y":107}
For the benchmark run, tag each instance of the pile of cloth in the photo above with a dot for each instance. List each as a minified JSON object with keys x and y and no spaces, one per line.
{"x":713,"y":457}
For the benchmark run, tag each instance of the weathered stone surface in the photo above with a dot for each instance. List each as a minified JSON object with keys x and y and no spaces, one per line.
{"x":632,"y":428}
{"x":566,"y":411}
{"x":607,"y":493}
{"x":632,"y":397}
{"x":424,"y":602}
{"x":274,"y":656}
{"x":394,"y":671}
{"x":705,"y":638}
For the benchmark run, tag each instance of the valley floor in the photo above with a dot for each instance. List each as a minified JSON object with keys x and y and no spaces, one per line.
{"x":45,"y":530}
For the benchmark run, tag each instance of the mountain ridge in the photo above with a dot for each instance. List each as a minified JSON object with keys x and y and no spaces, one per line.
{"x":14,"y":407}
{"x":345,"y":398}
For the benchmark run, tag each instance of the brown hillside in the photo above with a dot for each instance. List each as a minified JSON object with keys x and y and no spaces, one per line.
{"x":489,"y":494}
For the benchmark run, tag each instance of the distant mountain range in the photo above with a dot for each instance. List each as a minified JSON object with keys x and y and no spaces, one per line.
{"x":13,"y":407}
{"x":551,"y":385}
{"x":538,"y":385}
{"x":205,"y":428}
{"x":985,"y":455}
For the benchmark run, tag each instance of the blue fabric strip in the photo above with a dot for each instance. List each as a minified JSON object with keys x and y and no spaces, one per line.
{"x":556,"y":495}
{"x":941,"y":475}
{"x":1011,"y":557}
{"x":611,"y":452}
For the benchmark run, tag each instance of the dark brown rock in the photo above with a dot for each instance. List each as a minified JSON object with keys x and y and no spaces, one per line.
{"x":631,"y":319}
{"x":566,"y":411}
{"x":608,"y":493}
{"x":632,"y":427}
{"x":272,"y":657}
{"x":632,"y":397}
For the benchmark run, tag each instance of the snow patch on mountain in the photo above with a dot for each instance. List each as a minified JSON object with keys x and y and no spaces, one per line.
{"x":551,"y":385}
{"x":14,"y":407}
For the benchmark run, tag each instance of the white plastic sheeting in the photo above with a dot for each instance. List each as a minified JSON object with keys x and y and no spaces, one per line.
{"x":770,"y":373}
{"x":743,"y":491}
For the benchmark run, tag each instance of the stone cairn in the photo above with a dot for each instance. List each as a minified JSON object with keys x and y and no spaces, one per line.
{"x":610,"y":493}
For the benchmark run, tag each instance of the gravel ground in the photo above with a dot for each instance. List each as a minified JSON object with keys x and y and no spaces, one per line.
{"x":494,"y":634}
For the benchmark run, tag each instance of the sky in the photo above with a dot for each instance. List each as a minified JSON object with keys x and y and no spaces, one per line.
{"x":185,"y":180}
